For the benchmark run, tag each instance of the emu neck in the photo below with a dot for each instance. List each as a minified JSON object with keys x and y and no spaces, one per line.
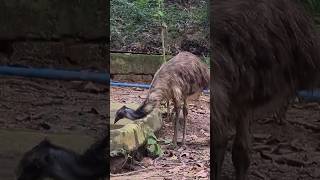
{"x":134,"y":115}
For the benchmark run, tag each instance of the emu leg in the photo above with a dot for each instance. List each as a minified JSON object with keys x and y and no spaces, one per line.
{"x":241,"y":147}
{"x":175,"y":125}
{"x":280,"y":115}
{"x":168,"y":111}
{"x":185,"y":114}
{"x":220,"y":140}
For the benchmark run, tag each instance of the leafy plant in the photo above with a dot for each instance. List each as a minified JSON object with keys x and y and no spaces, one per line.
{"x":152,"y":145}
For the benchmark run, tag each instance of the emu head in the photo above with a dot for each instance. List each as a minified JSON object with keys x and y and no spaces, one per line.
{"x":121,"y":113}
{"x":33,"y":164}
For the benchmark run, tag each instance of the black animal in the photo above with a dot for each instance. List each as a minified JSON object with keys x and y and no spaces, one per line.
{"x":181,"y":78}
{"x":47,"y":160}
{"x":262,"y":52}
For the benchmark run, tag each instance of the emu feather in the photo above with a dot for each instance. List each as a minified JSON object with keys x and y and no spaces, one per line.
{"x":179,"y":78}
{"x":263,"y":51}
{"x":47,"y":160}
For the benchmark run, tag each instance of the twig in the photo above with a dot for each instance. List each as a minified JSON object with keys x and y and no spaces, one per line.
{"x":132,"y":172}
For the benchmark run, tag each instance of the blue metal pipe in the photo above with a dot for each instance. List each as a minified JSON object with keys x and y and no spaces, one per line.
{"x":55,"y":74}
{"x":124,"y":84}
{"x":305,"y":95}
{"x":139,"y":85}
{"x":103,"y":78}
{"x":313,"y":96}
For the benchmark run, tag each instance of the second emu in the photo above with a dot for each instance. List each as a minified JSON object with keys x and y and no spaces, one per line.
{"x":178,"y":79}
{"x":263,"y":52}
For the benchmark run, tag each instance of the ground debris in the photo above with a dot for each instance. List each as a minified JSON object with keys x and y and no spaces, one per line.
{"x":280,"y":151}
{"x":307,"y":125}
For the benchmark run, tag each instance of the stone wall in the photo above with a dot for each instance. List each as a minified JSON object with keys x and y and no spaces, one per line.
{"x":128,"y":67}
{"x":54,"y":33}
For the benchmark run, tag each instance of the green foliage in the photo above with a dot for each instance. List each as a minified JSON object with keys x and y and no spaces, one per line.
{"x":136,"y":24}
{"x":152,"y":145}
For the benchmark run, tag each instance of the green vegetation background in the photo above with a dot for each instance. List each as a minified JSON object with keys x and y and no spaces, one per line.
{"x":135,"y":25}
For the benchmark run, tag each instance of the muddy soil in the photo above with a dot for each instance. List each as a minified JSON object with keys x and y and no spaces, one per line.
{"x":290,"y":151}
{"x":53,"y":106}
{"x":190,"y":161}
{"x":49,"y":107}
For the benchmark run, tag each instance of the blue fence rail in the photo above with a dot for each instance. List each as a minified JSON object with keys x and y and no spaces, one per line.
{"x":103,"y":78}
{"x":139,"y":85}
{"x":57,"y":74}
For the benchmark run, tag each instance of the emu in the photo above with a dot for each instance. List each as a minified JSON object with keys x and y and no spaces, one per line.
{"x":180,"y":78}
{"x":262,"y":52}
{"x":47,"y":160}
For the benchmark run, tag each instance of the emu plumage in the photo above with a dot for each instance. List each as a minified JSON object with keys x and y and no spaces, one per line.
{"x":49,"y":160}
{"x":262,"y":52}
{"x":178,"y":79}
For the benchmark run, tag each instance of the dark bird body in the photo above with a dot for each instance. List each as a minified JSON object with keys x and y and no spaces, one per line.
{"x":178,"y":79}
{"x":263,"y":51}
{"x":47,"y":160}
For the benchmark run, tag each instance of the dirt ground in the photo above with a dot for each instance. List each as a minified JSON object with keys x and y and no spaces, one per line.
{"x":280,"y":152}
{"x":189,"y":162}
{"x":53,"y":106}
{"x":30,"y":108}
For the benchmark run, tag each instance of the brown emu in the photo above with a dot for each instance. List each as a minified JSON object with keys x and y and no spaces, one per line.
{"x":178,"y":79}
{"x":47,"y":160}
{"x":263,"y":51}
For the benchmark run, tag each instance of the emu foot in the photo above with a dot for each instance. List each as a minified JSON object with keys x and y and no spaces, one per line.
{"x":172,"y":146}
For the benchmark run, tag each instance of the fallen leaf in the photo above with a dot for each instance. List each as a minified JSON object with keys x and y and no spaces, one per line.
{"x":174,"y":157}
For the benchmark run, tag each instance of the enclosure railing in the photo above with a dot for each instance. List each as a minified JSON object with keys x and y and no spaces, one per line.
{"x":57,"y":74}
{"x":103,"y":78}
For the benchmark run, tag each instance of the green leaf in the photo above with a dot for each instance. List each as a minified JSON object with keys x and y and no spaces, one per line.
{"x":151,"y":141}
{"x":161,"y":14}
{"x":152,"y":149}
{"x":152,"y":145}
{"x":158,"y":151}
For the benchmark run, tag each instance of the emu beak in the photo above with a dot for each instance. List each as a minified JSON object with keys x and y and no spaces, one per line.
{"x":116,"y":120}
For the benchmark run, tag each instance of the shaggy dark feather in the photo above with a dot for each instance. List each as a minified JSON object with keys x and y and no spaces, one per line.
{"x":48,"y":160}
{"x":263,"y":51}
